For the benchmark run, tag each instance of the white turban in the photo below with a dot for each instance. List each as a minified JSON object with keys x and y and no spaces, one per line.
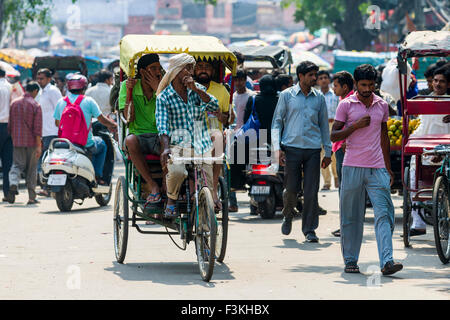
{"x":176,"y":64}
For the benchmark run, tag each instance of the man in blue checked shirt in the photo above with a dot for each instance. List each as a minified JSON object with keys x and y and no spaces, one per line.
{"x":181,"y":123}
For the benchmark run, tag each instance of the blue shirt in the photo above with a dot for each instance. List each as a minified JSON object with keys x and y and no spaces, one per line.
{"x":301,"y":121}
{"x":90,"y":110}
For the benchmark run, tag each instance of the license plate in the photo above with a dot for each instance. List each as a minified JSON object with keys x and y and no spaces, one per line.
{"x":260,"y":190}
{"x":57,"y":179}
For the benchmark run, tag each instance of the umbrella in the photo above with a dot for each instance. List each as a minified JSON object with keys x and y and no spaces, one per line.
{"x":300,"y":37}
{"x":10,"y":71}
{"x":256,"y":43}
{"x":301,"y":56}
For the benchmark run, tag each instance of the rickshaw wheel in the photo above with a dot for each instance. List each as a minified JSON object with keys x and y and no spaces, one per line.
{"x":121,"y":219}
{"x":407,"y":207}
{"x":441,"y":219}
{"x":205,"y":235}
{"x":222,"y":221}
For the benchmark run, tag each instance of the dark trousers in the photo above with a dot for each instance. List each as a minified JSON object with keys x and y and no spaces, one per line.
{"x":6,"y":155}
{"x":306,"y":161}
{"x":339,"y":160}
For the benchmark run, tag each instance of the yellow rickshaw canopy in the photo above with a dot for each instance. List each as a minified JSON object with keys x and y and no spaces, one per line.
{"x":132,"y":47}
{"x":16,"y":56}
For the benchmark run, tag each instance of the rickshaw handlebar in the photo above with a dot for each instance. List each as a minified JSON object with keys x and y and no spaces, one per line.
{"x":441,"y":149}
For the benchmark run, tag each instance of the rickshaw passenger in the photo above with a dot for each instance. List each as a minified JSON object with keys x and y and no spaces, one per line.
{"x":181,"y":122}
{"x":203,"y":74}
{"x":429,"y":124}
{"x":143,"y":138}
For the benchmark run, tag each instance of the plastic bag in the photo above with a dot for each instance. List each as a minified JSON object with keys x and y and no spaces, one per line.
{"x":390,"y":83}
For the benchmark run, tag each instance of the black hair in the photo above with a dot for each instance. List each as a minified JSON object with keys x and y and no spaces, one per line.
{"x":32,"y":86}
{"x":104,"y":75}
{"x":146,"y":60}
{"x":445,"y":71}
{"x":45,"y":71}
{"x":283,"y":80}
{"x":305,"y":67}
{"x":239,"y":57}
{"x":365,"y":72}
{"x":344,"y":77}
{"x":76,"y":91}
{"x":2,"y":73}
{"x":322,"y":72}
{"x":240,"y":74}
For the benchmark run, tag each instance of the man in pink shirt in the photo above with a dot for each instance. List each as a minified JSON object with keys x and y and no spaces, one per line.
{"x":361,"y":120}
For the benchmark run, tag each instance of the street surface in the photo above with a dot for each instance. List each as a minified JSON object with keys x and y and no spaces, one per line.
{"x":45,"y":254}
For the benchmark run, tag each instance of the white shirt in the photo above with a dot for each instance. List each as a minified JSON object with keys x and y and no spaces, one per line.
{"x":100,"y":93}
{"x":48,"y":98}
{"x":240,"y":101}
{"x":5,"y":100}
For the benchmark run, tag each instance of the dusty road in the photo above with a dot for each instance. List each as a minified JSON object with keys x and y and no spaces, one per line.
{"x":45,"y":254}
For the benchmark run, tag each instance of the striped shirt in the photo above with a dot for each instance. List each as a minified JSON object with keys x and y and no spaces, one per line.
{"x":185,"y":123}
{"x":25,"y":121}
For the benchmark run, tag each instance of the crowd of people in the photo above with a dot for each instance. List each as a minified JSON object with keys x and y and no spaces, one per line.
{"x":323,"y":121}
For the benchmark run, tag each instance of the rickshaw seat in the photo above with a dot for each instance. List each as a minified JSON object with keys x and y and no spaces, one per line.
{"x":416,"y":145}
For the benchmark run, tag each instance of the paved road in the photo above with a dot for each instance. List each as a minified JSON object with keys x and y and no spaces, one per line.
{"x":45,"y":254}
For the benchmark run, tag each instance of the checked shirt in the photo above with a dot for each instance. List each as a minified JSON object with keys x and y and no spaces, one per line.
{"x":185,"y":123}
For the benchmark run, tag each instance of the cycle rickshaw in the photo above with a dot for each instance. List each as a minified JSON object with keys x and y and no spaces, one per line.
{"x":198,"y":221}
{"x":421,"y":44}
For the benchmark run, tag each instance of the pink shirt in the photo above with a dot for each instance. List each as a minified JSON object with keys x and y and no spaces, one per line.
{"x":364,"y":145}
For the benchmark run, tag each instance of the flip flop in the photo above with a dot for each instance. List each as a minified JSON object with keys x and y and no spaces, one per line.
{"x":33,"y":201}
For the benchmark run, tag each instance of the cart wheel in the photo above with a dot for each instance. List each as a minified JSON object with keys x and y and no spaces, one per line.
{"x":441,"y":218}
{"x":222,"y":221}
{"x":407,"y":207}
{"x":121,"y":220}
{"x":205,"y":235}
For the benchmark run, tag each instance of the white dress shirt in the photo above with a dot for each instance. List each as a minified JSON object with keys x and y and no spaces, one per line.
{"x":5,"y":100}
{"x":48,"y":98}
{"x":100,"y":93}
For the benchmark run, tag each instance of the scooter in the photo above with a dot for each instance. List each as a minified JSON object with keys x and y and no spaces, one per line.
{"x":68,"y":173}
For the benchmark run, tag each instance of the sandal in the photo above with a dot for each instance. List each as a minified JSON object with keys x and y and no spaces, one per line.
{"x":33,"y":201}
{"x":153,"y":198}
{"x":351,"y":268}
{"x":170,"y":211}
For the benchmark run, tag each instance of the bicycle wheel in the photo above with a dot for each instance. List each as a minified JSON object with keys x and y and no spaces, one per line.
{"x":121,"y":219}
{"x":222,"y":221}
{"x":407,"y":207}
{"x":205,"y":235}
{"x":441,"y":218}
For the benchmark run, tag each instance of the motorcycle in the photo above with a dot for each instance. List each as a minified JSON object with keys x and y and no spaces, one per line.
{"x":68,"y":173}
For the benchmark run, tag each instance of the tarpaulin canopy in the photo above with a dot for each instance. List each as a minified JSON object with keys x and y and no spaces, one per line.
{"x":132,"y":47}
{"x":425,"y":43}
{"x":17,"y":57}
{"x":280,"y":57}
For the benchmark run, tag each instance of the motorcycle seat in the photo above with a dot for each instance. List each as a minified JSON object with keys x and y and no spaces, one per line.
{"x":65,"y":145}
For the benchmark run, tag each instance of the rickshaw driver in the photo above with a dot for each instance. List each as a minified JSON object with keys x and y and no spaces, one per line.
{"x":181,"y":122}
{"x":143,"y":138}
{"x":203,"y":74}
{"x":429,"y":124}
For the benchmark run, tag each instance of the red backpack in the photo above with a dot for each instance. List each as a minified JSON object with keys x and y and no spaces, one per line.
{"x":72,"y":125}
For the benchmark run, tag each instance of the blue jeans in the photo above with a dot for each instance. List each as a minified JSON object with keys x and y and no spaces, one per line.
{"x":355,"y":182}
{"x":6,"y":155}
{"x":98,"y":151}
{"x":339,"y":160}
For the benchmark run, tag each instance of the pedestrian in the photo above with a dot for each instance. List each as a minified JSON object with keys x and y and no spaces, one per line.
{"x":343,"y":87}
{"x":25,"y":128}
{"x":240,"y":99}
{"x":101,"y":91}
{"x":361,"y":120}
{"x":299,"y":130}
{"x":6,"y":146}
{"x":48,"y":97}
{"x":332,"y":100}
{"x":284,"y":81}
{"x":240,"y":65}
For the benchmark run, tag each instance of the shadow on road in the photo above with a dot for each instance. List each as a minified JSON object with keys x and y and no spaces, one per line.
{"x":77,"y":211}
{"x":294,"y":244}
{"x":169,"y":273}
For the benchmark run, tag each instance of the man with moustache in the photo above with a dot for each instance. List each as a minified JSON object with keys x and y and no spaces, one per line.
{"x":361,"y":120}
{"x":300,"y":128}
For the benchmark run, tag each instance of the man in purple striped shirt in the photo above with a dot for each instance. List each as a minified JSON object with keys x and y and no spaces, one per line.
{"x":25,"y":128}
